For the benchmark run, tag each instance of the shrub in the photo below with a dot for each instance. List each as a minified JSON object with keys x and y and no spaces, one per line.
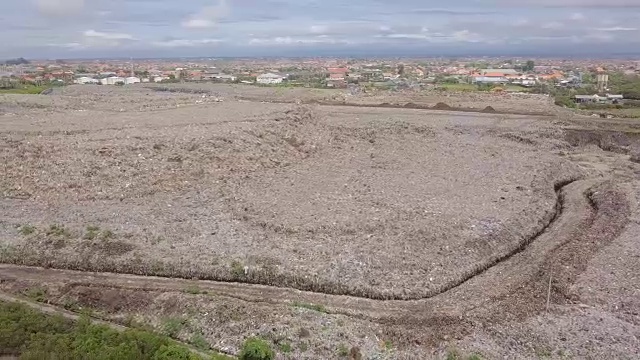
{"x":27,"y":230}
{"x":173,"y":326}
{"x":32,"y":335}
{"x":173,"y":352}
{"x":256,"y":349}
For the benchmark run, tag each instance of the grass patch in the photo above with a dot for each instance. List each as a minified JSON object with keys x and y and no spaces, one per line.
{"x":458,"y":87}
{"x":453,"y":354}
{"x":32,"y":335}
{"x":27,"y":230}
{"x":256,"y":349}
{"x":194,"y":290}
{"x":314,"y":307}
{"x":199,"y":342}
{"x":173,"y":326}
{"x":107,"y":234}
{"x":58,"y":231}
{"x":285,"y":348}
{"x":92,"y":232}
{"x":388,"y":345}
{"x":343,"y":350}
{"x":237,"y":269}
{"x":25,"y":90}
{"x":36,"y":294}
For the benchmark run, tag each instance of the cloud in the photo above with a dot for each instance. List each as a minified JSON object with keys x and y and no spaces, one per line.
{"x":59,"y":8}
{"x":436,"y":37}
{"x":289,"y":40}
{"x":577,"y":17}
{"x":617,"y":28}
{"x":570,"y":3}
{"x":107,"y":36}
{"x":208,"y":16}
{"x":175,"y":43}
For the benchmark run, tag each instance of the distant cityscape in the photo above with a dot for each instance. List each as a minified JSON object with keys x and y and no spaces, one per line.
{"x":463,"y":74}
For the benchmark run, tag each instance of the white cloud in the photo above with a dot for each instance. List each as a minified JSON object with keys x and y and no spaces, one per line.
{"x":552,"y":25}
{"x":71,"y":46}
{"x":617,"y":28}
{"x":186,"y":42}
{"x":288,"y":40}
{"x":107,"y":36}
{"x":59,"y":8}
{"x":577,"y":17}
{"x":436,"y":37}
{"x":207,"y":17}
{"x":319,"y":29}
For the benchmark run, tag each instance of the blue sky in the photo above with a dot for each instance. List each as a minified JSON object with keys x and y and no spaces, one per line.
{"x":123,"y":28}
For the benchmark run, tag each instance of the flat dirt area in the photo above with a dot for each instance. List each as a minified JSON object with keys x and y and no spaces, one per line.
{"x":335,"y":223}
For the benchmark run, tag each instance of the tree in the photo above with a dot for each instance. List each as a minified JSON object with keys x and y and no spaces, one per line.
{"x":529,"y":66}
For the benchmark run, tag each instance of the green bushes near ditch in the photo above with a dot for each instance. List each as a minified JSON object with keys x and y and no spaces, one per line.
{"x":32,"y":335}
{"x":256,"y":349}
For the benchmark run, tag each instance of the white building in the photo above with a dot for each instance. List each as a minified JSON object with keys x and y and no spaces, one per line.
{"x":132,"y":80}
{"x":269,"y":78}
{"x":86,"y":80}
{"x":112,"y":80}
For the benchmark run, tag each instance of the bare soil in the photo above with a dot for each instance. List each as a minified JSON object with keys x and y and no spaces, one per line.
{"x":458,"y":220}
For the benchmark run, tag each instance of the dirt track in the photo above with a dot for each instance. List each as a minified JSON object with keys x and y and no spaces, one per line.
{"x":462,"y":219}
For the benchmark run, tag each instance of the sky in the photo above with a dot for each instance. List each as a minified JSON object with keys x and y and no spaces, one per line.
{"x":217,"y":28}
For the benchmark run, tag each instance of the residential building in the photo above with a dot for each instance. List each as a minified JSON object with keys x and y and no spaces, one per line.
{"x":131,"y":80}
{"x":607,"y":99}
{"x":86,"y":80}
{"x":269,"y":78}
{"x":112,"y":80}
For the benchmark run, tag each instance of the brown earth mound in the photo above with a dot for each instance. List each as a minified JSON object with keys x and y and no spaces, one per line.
{"x":489,"y":109}
{"x":441,"y":106}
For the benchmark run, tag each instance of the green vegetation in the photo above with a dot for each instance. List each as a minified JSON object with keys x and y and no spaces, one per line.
{"x":314,"y":307}
{"x":27,"y":229}
{"x":454,"y":354}
{"x":92,"y":232}
{"x":32,"y":335}
{"x":58,"y":230}
{"x":25,"y":90}
{"x":107,"y":234}
{"x":199,"y":342}
{"x":36,"y":294}
{"x":194,"y":290}
{"x":388,"y":345}
{"x":458,"y":87}
{"x":285,"y":347}
{"x":173,"y":326}
{"x":237,"y":269}
{"x":627,"y":85}
{"x":256,"y":349}
{"x":343,"y":350}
